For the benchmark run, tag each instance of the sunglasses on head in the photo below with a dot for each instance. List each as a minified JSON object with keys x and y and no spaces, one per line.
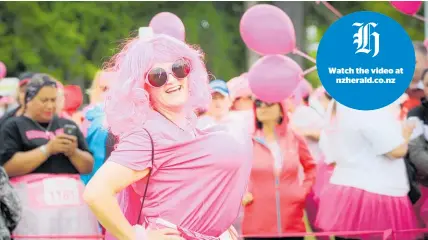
{"x":260,"y":103}
{"x":157,"y":77}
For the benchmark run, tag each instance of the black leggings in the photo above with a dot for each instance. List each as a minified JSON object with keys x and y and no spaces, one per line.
{"x":280,"y":238}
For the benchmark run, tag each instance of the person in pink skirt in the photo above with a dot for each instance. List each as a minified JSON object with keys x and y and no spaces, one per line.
{"x":369,"y":185}
{"x":172,"y":180}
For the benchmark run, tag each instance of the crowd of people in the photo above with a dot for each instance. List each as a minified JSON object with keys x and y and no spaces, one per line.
{"x":161,"y":152}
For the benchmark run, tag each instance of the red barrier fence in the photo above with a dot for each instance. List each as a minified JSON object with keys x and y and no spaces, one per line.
{"x":384,"y":235}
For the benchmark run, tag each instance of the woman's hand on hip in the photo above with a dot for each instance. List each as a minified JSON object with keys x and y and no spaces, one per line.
{"x":247,"y":199}
{"x":163,"y":234}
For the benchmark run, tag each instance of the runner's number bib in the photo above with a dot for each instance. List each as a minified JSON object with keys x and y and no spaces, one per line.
{"x":61,"y":192}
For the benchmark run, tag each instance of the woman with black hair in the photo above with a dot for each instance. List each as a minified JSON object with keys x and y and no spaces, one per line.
{"x":278,"y":188}
{"x":44,"y":155}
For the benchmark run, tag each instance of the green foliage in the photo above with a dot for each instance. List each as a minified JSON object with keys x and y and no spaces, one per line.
{"x":72,"y":40}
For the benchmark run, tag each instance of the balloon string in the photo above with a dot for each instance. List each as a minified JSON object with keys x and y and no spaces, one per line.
{"x":420,"y":17}
{"x":331,"y":8}
{"x":304,"y":55}
{"x":309,"y":70}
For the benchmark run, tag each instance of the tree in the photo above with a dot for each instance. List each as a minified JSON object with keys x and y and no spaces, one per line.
{"x":72,"y":40}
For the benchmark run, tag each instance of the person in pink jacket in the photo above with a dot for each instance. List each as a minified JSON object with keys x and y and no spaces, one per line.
{"x":275,"y":201}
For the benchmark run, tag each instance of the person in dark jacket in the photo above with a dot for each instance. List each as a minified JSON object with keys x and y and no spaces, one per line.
{"x":10,"y":207}
{"x":418,"y":152}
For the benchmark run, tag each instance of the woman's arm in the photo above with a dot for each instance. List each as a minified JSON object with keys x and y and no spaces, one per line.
{"x":308,"y":164}
{"x":82,"y":161}
{"x":100,"y":195}
{"x":128,"y":163}
{"x":385,"y":133}
{"x":401,"y":150}
{"x":25,"y":162}
{"x":15,"y":161}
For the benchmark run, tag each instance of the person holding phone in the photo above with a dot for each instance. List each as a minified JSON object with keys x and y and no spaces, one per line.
{"x":44,"y":154}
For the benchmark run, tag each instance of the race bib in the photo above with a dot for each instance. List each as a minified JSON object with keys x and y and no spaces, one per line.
{"x":60,"y":192}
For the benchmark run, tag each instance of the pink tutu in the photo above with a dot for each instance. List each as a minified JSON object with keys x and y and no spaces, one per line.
{"x":343,"y":208}
{"x":323,"y":175}
{"x":324,"y":172}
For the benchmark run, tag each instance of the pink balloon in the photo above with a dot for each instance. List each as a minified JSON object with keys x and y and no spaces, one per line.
{"x":267,"y":29}
{"x":407,"y":7}
{"x":274,"y":78}
{"x":169,"y":24}
{"x":426,"y":43}
{"x":3,"y":70}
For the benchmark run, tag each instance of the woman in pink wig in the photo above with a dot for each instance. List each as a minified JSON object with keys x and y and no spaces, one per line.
{"x":173,"y":180}
{"x":369,"y":185}
{"x":275,"y":202}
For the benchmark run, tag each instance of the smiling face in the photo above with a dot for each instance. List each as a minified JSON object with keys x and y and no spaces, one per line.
{"x":173,"y":94}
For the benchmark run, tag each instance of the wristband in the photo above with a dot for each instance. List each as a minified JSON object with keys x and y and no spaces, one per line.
{"x":44,"y":150}
{"x":140,"y":232}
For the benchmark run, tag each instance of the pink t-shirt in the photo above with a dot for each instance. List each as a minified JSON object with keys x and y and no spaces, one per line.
{"x":198,"y":180}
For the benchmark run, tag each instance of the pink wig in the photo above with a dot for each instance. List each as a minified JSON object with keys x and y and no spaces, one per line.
{"x":128,"y":103}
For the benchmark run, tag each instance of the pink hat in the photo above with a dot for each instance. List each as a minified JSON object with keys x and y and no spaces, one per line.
{"x":239,"y":86}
